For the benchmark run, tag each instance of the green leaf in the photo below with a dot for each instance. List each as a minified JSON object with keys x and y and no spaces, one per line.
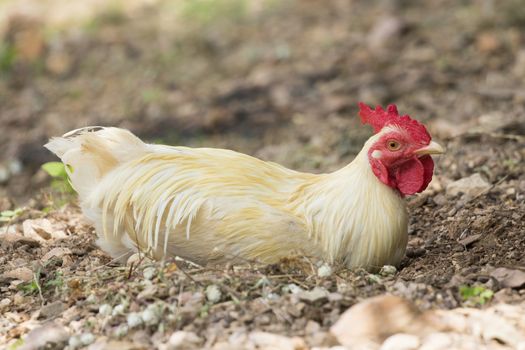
{"x":55,"y":169}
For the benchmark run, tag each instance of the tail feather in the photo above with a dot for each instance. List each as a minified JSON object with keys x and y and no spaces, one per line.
{"x":90,"y":153}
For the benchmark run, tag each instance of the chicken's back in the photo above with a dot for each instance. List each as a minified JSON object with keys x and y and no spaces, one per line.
{"x":202,"y":204}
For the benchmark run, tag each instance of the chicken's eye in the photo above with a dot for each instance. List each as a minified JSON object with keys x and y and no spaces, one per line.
{"x":393,"y":145}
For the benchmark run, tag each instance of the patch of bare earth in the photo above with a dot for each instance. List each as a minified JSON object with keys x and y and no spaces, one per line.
{"x":281,"y":84}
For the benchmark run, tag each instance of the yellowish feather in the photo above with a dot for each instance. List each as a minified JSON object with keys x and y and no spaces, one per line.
{"x":214,"y":205}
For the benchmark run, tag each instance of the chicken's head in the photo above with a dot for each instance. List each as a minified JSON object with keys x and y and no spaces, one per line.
{"x":400,"y":154}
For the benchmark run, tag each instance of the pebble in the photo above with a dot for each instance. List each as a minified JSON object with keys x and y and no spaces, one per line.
{"x":149,"y":273}
{"x":134,"y":320}
{"x":265,"y":340}
{"x":388,"y":270}
{"x":184,"y":340}
{"x":121,"y":330}
{"x":401,"y":341}
{"x":472,"y":186}
{"x":213,"y":293}
{"x":324,"y":271}
{"x":150,"y":316}
{"x":74,"y":342}
{"x":119,"y":310}
{"x":105,"y":310}
{"x":87,"y":338}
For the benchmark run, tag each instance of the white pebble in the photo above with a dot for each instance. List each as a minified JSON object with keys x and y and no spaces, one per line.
{"x":105,"y":310}
{"x":91,"y":299}
{"x":87,"y":338}
{"x":119,"y":309}
{"x":401,"y":341}
{"x":74,"y":342}
{"x":134,"y":320}
{"x":121,"y":330}
{"x":388,"y":270}
{"x":324,"y":271}
{"x":149,"y":273}
{"x":213,"y":293}
{"x":150,"y":317}
{"x":294,"y":288}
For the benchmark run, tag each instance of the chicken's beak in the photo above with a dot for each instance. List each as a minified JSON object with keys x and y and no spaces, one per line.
{"x":431,"y":148}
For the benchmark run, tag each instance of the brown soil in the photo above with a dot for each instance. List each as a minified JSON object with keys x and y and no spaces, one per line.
{"x":281,"y":83}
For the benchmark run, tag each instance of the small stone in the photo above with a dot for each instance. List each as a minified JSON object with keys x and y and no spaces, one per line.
{"x":119,"y":310}
{"x":150,"y":316}
{"x":87,"y":338}
{"x":324,"y":271}
{"x":52,"y":310}
{"x":372,"y":320}
{"x":4,"y":303}
{"x":149,"y":273}
{"x":91,"y":299}
{"x":183,"y":340}
{"x":48,"y":334}
{"x":294,"y":288}
{"x":509,"y":278}
{"x":213,"y":293}
{"x":388,"y":270}
{"x":121,"y":330}
{"x":401,"y":341}
{"x":21,"y":273}
{"x":316,"y":294}
{"x":473,"y":186}
{"x":104,"y":310}
{"x":58,"y":252}
{"x":134,"y":320}
{"x":74,"y":342}
{"x":265,"y":340}
{"x":436,"y":341}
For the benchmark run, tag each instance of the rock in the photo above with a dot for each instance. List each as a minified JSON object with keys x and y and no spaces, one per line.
{"x":472,"y":186}
{"x":437,"y":341}
{"x":105,"y":310}
{"x":22,"y":273}
{"x":374,"y":319}
{"x":116,"y":345}
{"x":148,"y":292}
{"x":265,"y":340}
{"x":87,"y":338}
{"x":134,"y":320}
{"x":401,"y":342}
{"x":58,"y":252}
{"x":311,"y":296}
{"x":388,"y":270}
{"x":152,"y":314}
{"x":49,"y":336}
{"x":149,"y":273}
{"x":324,"y":270}
{"x":52,"y":310}
{"x":213,"y":293}
{"x":43,"y":229}
{"x":4,"y":303}
{"x":183,"y":340}
{"x":18,"y":240}
{"x":509,"y":278}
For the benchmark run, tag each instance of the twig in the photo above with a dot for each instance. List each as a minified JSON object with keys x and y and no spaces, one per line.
{"x":36,"y":277}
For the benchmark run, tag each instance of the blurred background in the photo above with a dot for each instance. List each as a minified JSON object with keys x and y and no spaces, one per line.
{"x":278,"y":79}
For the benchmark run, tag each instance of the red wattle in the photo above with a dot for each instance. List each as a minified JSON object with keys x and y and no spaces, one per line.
{"x":414,"y":175}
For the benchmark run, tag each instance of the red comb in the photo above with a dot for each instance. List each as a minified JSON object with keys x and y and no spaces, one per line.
{"x":379,"y":118}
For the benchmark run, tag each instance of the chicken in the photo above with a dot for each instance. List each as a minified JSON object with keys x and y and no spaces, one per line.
{"x":213,"y":205}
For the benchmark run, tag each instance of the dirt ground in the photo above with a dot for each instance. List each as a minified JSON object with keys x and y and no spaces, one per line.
{"x":281,"y":81}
